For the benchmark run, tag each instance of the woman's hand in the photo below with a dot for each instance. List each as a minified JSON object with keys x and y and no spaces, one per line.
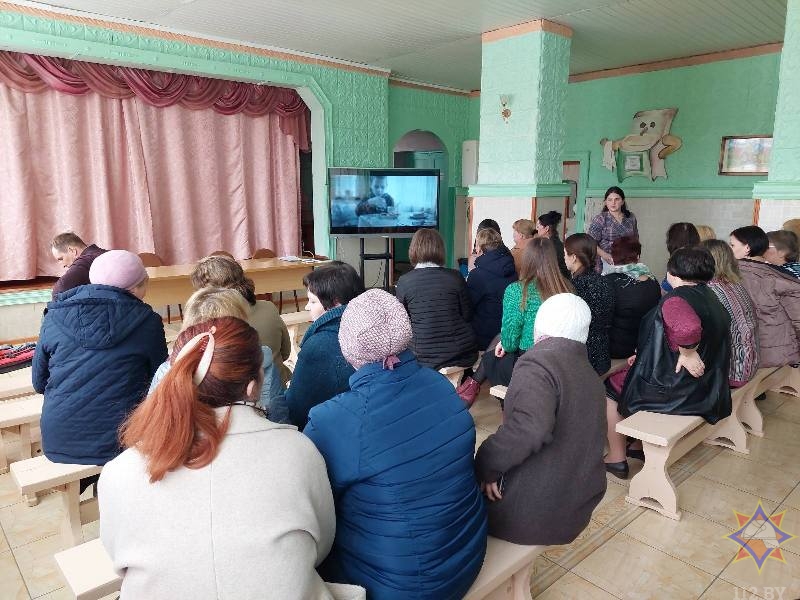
{"x":631,"y":360}
{"x":471,"y":261}
{"x":492,"y":490}
{"x":499,"y":351}
{"x":606,"y":256}
{"x":691,"y":361}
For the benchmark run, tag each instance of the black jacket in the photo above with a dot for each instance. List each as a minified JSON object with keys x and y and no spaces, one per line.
{"x":596,"y":291}
{"x":439,"y":307}
{"x":652,"y":383}
{"x":633,"y":300}
{"x":487,"y":283}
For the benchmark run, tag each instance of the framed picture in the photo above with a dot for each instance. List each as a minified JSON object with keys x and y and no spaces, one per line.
{"x":745,"y":155}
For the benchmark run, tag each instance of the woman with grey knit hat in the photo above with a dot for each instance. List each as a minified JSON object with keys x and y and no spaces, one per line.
{"x":543,"y":469}
{"x":410,"y":519}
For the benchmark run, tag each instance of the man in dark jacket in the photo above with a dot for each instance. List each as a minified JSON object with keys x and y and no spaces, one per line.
{"x":98,"y":349}
{"x":76,"y":257}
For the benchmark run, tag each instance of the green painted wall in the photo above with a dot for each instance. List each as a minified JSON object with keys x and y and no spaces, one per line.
{"x":474,"y":118}
{"x":786,"y":148}
{"x":448,"y":117}
{"x":734,"y":97}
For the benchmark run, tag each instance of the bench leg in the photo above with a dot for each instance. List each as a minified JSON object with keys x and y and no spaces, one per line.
{"x":25,"y":441}
{"x":791,"y":384}
{"x":3,"y":455}
{"x":729,"y":433}
{"x":521,"y":583}
{"x":71,"y":525}
{"x":750,"y":416}
{"x":651,"y":487}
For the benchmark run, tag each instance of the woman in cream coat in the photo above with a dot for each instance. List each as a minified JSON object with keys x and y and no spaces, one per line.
{"x":211,"y":500}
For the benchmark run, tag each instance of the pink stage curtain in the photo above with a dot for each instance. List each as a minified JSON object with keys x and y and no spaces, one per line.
{"x":124,"y":172}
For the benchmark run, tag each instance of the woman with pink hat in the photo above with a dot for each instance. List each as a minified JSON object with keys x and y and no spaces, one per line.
{"x":98,"y":349}
{"x":410,"y":520}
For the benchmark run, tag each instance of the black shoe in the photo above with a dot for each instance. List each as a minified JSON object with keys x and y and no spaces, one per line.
{"x":634,"y":453}
{"x":618,"y":469}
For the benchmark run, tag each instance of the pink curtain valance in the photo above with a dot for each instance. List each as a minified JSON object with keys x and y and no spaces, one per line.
{"x":32,"y":73}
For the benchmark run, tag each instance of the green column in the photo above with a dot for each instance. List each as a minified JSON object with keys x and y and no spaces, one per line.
{"x":783,"y":182}
{"x":528,"y":66}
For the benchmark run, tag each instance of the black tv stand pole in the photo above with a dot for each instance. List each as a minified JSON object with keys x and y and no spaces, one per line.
{"x":386,"y":257}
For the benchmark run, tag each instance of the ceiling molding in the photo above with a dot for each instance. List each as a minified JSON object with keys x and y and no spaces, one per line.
{"x":523,"y":28}
{"x":674,"y":63}
{"x":428,"y":87}
{"x":163,"y":33}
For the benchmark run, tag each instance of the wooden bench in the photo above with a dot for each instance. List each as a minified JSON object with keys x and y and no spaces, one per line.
{"x":453,"y":374}
{"x":90,"y":574}
{"x":23,"y":413}
{"x":506,"y":572}
{"x":293,"y":323}
{"x":790,"y":381}
{"x":665,"y":439}
{"x":38,"y":474}
{"x":747,"y":410}
{"x":16,"y":383}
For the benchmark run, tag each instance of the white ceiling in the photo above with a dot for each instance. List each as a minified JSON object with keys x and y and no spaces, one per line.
{"x":439,"y":41}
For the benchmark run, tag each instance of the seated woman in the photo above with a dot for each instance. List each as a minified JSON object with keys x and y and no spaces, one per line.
{"x":775,"y":295}
{"x":636,"y":292}
{"x":410,"y":519}
{"x":543,"y":469}
{"x":682,"y":360}
{"x":208,"y":520}
{"x":524,"y":231}
{"x":727,"y":285}
{"x":224,"y":272}
{"x":487,"y":282}
{"x":321,"y":371}
{"x":98,"y":349}
{"x":580,"y":254}
{"x":679,"y":235}
{"x":540,"y":278}
{"x":438,"y":305}
{"x":213,"y":303}
{"x":547,"y":227}
{"x":783,"y":251}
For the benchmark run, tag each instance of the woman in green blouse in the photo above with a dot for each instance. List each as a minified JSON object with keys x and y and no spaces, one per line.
{"x":540,"y":278}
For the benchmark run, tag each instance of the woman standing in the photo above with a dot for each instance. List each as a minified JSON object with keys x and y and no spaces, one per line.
{"x":438,"y":305}
{"x":580,"y":253}
{"x":614,"y":221}
{"x":547,"y":227}
{"x":524,"y":230}
{"x":727,"y":285}
{"x":775,"y":294}
{"x":208,"y":520}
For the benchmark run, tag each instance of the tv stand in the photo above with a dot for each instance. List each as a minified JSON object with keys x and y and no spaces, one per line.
{"x":385,"y":256}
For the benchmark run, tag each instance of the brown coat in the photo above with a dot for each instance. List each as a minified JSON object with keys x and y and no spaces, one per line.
{"x":272,"y":332}
{"x":550,"y":447}
{"x":776,"y":296}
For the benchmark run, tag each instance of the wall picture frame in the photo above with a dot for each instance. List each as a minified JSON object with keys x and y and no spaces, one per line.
{"x":745,"y":155}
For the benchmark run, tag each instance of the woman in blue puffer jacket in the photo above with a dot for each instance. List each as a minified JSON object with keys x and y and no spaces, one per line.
{"x":98,"y":349}
{"x":410,"y":520}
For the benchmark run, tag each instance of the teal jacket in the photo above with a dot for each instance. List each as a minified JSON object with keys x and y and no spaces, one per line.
{"x":516,"y":329}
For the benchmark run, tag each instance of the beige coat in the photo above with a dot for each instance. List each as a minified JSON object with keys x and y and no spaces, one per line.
{"x":776,"y":297}
{"x":272,"y":332}
{"x":253,"y":524}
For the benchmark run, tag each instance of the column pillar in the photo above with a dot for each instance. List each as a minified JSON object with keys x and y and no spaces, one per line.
{"x":779,"y":196}
{"x":524,"y":76}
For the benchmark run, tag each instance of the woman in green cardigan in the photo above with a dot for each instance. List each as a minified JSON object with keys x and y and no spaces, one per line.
{"x":540,"y":278}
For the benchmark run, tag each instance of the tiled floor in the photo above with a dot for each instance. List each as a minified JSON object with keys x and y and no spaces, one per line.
{"x":625,"y":552}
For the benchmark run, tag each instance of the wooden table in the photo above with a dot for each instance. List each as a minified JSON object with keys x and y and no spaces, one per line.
{"x":171,"y":284}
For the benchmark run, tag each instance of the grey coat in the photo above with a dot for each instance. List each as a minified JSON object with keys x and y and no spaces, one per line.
{"x":550,"y":447}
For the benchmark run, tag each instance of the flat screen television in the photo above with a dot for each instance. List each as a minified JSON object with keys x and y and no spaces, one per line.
{"x":382,"y":202}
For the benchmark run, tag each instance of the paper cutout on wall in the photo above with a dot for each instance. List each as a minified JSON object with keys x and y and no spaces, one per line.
{"x":643,"y":150}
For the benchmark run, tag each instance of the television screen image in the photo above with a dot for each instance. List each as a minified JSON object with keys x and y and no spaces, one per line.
{"x":392,"y":202}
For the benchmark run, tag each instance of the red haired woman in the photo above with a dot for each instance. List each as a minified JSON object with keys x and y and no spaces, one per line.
{"x":210,"y":499}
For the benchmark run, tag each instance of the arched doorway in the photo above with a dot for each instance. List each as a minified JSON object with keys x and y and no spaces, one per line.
{"x":419,"y":149}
